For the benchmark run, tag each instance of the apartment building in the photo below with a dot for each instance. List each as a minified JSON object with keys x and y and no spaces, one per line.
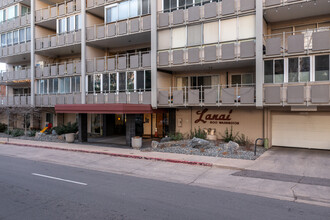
{"x":154,"y":67}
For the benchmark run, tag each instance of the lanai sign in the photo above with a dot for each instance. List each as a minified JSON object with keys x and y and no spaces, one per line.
{"x":215,"y":118}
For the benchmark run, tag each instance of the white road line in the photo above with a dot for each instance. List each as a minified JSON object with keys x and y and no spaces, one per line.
{"x":56,"y":178}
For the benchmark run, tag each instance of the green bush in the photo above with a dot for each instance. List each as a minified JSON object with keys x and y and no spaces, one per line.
{"x":32,"y":133}
{"x":198,"y":134}
{"x":17,"y":133}
{"x":9,"y":132}
{"x":3,"y":127}
{"x":243,"y":140}
{"x":66,"y":129}
{"x":229,"y":135}
{"x":176,"y":137}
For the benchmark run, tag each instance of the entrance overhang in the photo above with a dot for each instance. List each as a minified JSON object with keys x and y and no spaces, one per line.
{"x":104,"y":108}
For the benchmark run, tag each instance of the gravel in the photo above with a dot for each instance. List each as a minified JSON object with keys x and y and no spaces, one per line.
{"x":47,"y":138}
{"x":214,"y":149}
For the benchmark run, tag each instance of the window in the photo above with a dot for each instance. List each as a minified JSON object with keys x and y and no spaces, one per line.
{"x":299,"y":69}
{"x":269,"y":71}
{"x":279,"y":71}
{"x":55,"y":85}
{"x":24,"y":10}
{"x":228,"y":29}
{"x":134,"y":8}
{"x":78,"y":22}
{"x":9,"y":38}
{"x":164,"y":39}
{"x":143,"y":80}
{"x":122,"y":82}
{"x":61,"y":26}
{"x":246,"y":27}
{"x":111,"y":14}
{"x":130,"y":81}
{"x":97,"y":83}
{"x":236,"y":80}
{"x":179,"y":37}
{"x":28,"y":34}
{"x":15,"y":38}
{"x":242,"y":80}
{"x":90,"y":84}
{"x":51,"y":86}
{"x":322,"y":68}
{"x":12,"y":12}
{"x":75,"y":84}
{"x":171,"y":5}
{"x":274,"y":71}
{"x":194,"y":35}
{"x":123,"y":10}
{"x":113,"y":82}
{"x":3,"y":40}
{"x":61,"y":85}
{"x":211,"y":32}
{"x":22,"y":35}
{"x":1,"y":16}
{"x":105,"y":82}
{"x":70,"y":23}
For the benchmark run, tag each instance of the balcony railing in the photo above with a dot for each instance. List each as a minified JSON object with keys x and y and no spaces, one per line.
{"x":15,"y":23}
{"x":58,"y":40}
{"x":298,"y":42}
{"x":220,"y":52}
{"x":115,"y":29}
{"x":6,"y":3}
{"x":17,"y":49}
{"x":191,"y":13}
{"x":217,"y":95}
{"x":21,"y":74}
{"x":59,"y":69}
{"x":301,"y":94}
{"x":58,"y":10}
{"x":121,"y":96}
{"x":276,"y":3}
{"x":17,"y":100}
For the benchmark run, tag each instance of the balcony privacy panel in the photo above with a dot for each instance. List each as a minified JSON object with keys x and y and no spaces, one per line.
{"x":163,"y":98}
{"x":38,"y":15}
{"x":17,"y":100}
{"x":90,"y":99}
{"x":69,"y":38}
{"x":100,"y":2}
{"x":90,"y":33}
{"x":163,"y":58}
{"x":211,"y":10}
{"x":78,"y":67}
{"x":122,"y":97}
{"x":4,"y":51}
{"x":46,"y":71}
{"x":178,"y":97}
{"x":100,"y":98}
{"x":61,"y":9}
{"x":70,"y":68}
{"x":90,"y":66}
{"x":61,"y":40}
{"x":272,"y":2}
{"x":296,"y":43}
{"x":210,"y":53}
{"x":90,"y":3}
{"x":111,"y":30}
{"x":228,"y":51}
{"x":247,"y":95}
{"x":53,"y":41}
{"x":38,"y":72}
{"x":111,"y":98}
{"x":193,"y":96}
{"x":146,"y":23}
{"x":273,"y":46}
{"x":17,"y":22}
{"x":69,"y":99}
{"x":77,"y":99}
{"x":210,"y":95}
{"x":60,"y":100}
{"x":194,"y":13}
{"x":78,"y":5}
{"x":53,"y":12}
{"x":100,"y":32}
{"x":122,"y":29}
{"x":178,"y":57}
{"x":134,"y":98}
{"x":122,"y":63}
{"x":320,"y":94}
{"x":321,"y":40}
{"x":23,"y":100}
{"x":23,"y":74}
{"x":163,"y":19}
{"x":296,"y":94}
{"x":134,"y":61}
{"x":193,"y":55}
{"x":178,"y":16}
{"x":146,"y":98}
{"x":247,"y":49}
{"x":38,"y":44}
{"x":45,"y":101}
{"x":10,"y":50}
{"x":61,"y":69}
{"x":111,"y":65}
{"x":11,"y":101}
{"x":228,"y":7}
{"x":52,"y":100}
{"x":45,"y":14}
{"x":135,"y":25}
{"x":54,"y":70}
{"x":100,"y":65}
{"x":24,"y":20}
{"x":228,"y":95}
{"x":17,"y":49}
{"x":70,"y":7}
{"x":273,"y":95}
{"x":146,"y":60}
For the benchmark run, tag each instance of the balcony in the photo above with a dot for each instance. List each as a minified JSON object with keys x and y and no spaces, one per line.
{"x":17,"y":76}
{"x":221,"y":55}
{"x":121,"y":33}
{"x":46,"y":17}
{"x":59,"y":44}
{"x":6,"y":3}
{"x":303,"y":42}
{"x":190,"y":14}
{"x":15,"y":101}
{"x":59,"y":69}
{"x":15,"y":53}
{"x":297,"y":94}
{"x":284,"y":10}
{"x":217,"y":95}
{"x":121,"y":97}
{"x":15,"y":23}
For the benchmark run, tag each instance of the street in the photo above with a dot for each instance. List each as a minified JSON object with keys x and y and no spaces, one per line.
{"x":33,"y":189}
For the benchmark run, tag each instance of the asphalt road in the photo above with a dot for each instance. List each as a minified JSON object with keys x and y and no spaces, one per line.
{"x":37,"y":190}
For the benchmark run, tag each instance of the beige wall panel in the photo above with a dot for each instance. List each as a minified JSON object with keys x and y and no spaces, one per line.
{"x":164,"y":80}
{"x":247,"y":27}
{"x":211,"y":32}
{"x":43,"y":32}
{"x":91,"y":20}
{"x":69,"y":118}
{"x":92,"y":52}
{"x":228,"y":29}
{"x":40,"y":4}
{"x":179,"y":37}
{"x":164,"y":39}
{"x":159,"y":5}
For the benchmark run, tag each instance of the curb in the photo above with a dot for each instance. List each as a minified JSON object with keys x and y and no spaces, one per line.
{"x":120,"y":155}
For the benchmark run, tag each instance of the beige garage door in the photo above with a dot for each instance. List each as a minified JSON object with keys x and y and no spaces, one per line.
{"x":304,"y":129}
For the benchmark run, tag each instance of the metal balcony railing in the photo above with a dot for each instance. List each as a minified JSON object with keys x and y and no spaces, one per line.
{"x":59,"y":69}
{"x":58,"y":40}
{"x":215,"y":95}
{"x":305,"y":42}
{"x":119,"y":28}
{"x":58,"y":10}
{"x":20,"y":74}
{"x":16,"y":49}
{"x":220,"y":52}
{"x":15,"y":101}
{"x":98,"y":3}
{"x":15,"y":23}
{"x":300,"y":94}
{"x":277,"y":3}
{"x":6,"y":3}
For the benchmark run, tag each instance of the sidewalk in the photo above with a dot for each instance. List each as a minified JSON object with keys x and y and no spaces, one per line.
{"x":228,"y":163}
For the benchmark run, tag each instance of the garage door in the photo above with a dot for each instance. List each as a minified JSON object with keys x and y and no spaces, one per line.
{"x":305,"y":129}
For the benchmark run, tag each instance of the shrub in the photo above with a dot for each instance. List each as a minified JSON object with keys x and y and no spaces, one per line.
{"x":66,"y":129}
{"x":176,"y":136}
{"x":243,"y":140}
{"x":229,"y":136}
{"x":17,"y":133}
{"x":198,"y":134}
{"x":3,"y":127}
{"x":8,"y":132}
{"x":32,"y":133}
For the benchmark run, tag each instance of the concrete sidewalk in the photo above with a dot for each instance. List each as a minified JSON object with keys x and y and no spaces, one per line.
{"x":237,"y":164}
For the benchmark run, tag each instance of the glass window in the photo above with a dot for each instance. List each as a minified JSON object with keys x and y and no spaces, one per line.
{"x":164,"y":39}
{"x":70,"y":24}
{"x":123,"y":10}
{"x":247,"y":79}
{"x":97,"y":83}
{"x":145,"y":7}
{"x":194,"y":35}
{"x":28,"y":34}
{"x":78,"y":22}
{"x":211,"y":32}
{"x":322,"y":68}
{"x":130,"y":81}
{"x":122,"y":82}
{"x":3,"y":40}
{"x":166,"y":5}
{"x":24,"y":10}
{"x":90,"y":84}
{"x":140,"y":80}
{"x":11,"y":12}
{"x":61,"y":26}
{"x":67,"y":84}
{"x":293,"y":70}
{"x":77,"y":79}
{"x":112,"y":14}
{"x":113,"y":82}
{"x":9,"y":38}
{"x":55,"y":85}
{"x":22,"y":35}
{"x":269,"y":70}
{"x":179,"y":37}
{"x":299,"y":69}
{"x":51,"y":86}
{"x":61,"y":85}
{"x":105,"y":82}
{"x":304,"y":69}
{"x":133,"y":8}
{"x":236,"y":80}
{"x":279,"y":71}
{"x":15,"y":39}
{"x":228,"y":29}
{"x":1,"y":16}
{"x":247,"y":27}
{"x":148,"y":79}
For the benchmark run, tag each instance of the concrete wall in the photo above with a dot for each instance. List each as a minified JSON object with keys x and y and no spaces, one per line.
{"x":91,"y":20}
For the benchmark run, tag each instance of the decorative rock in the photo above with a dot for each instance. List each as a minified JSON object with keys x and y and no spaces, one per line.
{"x":231,"y":146}
{"x":39,"y":135}
{"x":54,"y":132}
{"x":154,"y":144}
{"x":197,"y":143}
{"x":165,"y":139}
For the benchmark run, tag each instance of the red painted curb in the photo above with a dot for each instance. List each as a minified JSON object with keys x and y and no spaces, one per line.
{"x":116,"y":155}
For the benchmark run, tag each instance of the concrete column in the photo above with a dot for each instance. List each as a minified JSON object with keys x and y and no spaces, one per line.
{"x":153,"y":5}
{"x":33,"y":40}
{"x":130,"y":128}
{"x":83,"y":52}
{"x":259,"y":54}
{"x":82,"y":124}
